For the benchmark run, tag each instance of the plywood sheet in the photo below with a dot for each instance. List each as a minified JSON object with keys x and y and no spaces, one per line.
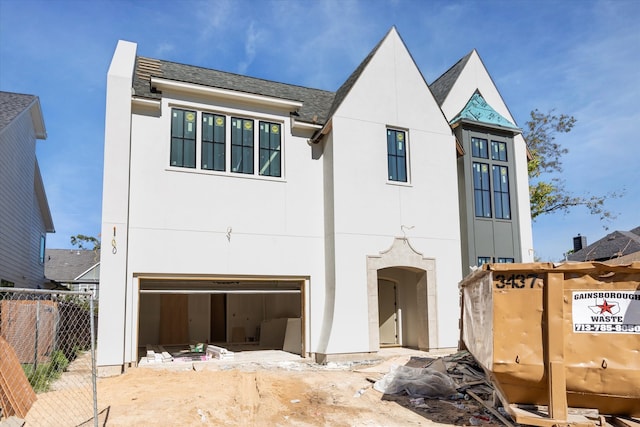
{"x":174,"y":326}
{"x":16,"y":394}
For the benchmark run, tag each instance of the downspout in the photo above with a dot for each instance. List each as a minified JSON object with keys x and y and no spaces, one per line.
{"x":317,"y":137}
{"x":126,"y":246}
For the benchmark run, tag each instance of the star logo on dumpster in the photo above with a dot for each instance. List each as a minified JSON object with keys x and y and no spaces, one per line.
{"x":605,"y":307}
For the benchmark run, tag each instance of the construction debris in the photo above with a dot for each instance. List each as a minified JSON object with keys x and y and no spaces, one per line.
{"x":156,"y":354}
{"x":219,"y":352}
{"x":455,"y":380}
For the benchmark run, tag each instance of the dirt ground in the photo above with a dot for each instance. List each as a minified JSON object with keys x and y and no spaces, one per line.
{"x":279,"y":394}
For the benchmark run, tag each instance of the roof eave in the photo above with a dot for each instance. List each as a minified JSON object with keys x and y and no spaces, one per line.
{"x":458,"y":122}
{"x":160,"y":83}
{"x":38,"y":119}
{"x":41,"y":196}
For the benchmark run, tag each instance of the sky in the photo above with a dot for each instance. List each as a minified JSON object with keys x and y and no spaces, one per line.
{"x":576,"y":57}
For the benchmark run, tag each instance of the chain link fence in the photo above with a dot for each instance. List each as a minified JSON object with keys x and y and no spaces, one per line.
{"x":47,"y":358}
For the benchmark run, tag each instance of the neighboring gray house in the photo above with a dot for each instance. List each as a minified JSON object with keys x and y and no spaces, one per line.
{"x":25,"y":218}
{"x":619,"y":246}
{"x":78,"y":270}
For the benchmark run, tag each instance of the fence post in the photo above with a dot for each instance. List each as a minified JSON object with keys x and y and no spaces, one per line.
{"x":94,"y":376}
{"x":35,"y":360}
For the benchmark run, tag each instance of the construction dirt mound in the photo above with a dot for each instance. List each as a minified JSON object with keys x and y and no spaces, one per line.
{"x":297,"y":394}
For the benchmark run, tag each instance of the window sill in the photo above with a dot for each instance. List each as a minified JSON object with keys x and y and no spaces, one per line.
{"x":399,"y":183}
{"x":225,"y":174}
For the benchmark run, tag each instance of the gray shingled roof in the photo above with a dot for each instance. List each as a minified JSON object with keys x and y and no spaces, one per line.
{"x":65,"y":265}
{"x":316,"y":102}
{"x":613,"y":245}
{"x":443,"y":84}
{"x":318,"y":105}
{"x":11,"y":105}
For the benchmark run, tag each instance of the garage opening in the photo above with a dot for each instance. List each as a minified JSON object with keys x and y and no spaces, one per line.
{"x":181,"y":315}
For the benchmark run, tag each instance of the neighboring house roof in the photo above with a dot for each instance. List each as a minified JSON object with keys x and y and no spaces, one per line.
{"x":316,"y":102}
{"x":443,"y":84}
{"x":478,"y":110}
{"x":14,"y":104}
{"x":613,"y":245}
{"x":72,"y":265}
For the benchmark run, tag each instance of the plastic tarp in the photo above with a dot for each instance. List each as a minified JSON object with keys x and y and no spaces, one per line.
{"x":424,"y":382}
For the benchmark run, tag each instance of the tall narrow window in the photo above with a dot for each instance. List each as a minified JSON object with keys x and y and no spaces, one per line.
{"x":498,"y":151}
{"x":213,"y":141}
{"x":397,"y":155}
{"x":43,"y":244}
{"x":241,"y":145}
{"x":269,"y":149}
{"x":479,"y":148}
{"x":501,"y":192}
{"x":481,"y":190}
{"x":183,"y":138}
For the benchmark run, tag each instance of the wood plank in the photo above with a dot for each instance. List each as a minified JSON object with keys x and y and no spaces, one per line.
{"x":495,"y":413}
{"x":16,"y":394}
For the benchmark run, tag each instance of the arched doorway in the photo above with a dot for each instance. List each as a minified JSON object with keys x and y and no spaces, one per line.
{"x":402,"y":298}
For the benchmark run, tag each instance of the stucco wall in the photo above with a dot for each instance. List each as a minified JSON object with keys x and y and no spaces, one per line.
{"x":370,"y":211}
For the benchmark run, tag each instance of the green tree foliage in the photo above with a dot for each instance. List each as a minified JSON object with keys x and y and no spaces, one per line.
{"x":83,"y":242}
{"x":546,"y":190}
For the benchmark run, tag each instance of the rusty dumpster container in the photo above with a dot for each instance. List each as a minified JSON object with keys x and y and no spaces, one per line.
{"x":557,"y":337}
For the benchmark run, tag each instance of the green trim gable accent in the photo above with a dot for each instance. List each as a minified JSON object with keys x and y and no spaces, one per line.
{"x":478,"y":110}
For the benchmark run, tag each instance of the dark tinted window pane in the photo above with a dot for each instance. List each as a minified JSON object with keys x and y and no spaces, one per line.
{"x":479,"y":148}
{"x":183,"y":138}
{"x":270,"y":140}
{"x":482,"y":196}
{"x":499,"y":151}
{"x":218,"y":129}
{"x":396,"y":155}
{"x":190,"y":153}
{"x":176,"y":152}
{"x":501,"y":192}
{"x":241,"y":145}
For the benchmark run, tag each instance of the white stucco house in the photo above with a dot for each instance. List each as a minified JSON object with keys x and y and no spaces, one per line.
{"x":231,"y":202}
{"x":25,"y":217}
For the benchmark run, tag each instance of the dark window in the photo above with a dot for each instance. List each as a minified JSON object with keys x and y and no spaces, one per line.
{"x":183,"y":138}
{"x":506,"y":260}
{"x":499,"y":151}
{"x":481,"y":191}
{"x":479,"y":148}
{"x":269,"y":149}
{"x":501,"y":192}
{"x":6,"y":283}
{"x":213,"y":142}
{"x":397,"y":155}
{"x":483,"y":260}
{"x":241,"y":145}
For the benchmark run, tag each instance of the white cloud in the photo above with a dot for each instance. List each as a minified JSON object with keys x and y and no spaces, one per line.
{"x":252,"y":39}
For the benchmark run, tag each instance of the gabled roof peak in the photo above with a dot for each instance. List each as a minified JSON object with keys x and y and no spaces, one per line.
{"x":443,"y":84}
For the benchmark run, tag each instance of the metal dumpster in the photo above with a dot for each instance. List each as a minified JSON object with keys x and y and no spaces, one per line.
{"x":558,"y":337}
